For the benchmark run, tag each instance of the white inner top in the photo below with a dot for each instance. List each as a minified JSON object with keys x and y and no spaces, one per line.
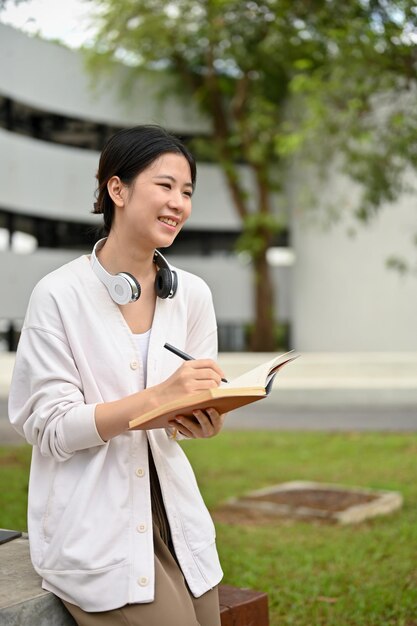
{"x":142,"y":345}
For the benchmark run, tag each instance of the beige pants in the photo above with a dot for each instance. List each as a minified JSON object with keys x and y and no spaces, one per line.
{"x":173,"y":605}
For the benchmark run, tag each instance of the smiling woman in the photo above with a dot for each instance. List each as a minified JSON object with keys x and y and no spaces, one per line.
{"x":118,"y":527}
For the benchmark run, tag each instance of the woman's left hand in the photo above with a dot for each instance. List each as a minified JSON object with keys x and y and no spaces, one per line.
{"x":207,"y":423}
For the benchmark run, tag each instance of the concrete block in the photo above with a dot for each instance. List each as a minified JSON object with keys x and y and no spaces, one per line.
{"x":23,"y":602}
{"x":309,"y":500}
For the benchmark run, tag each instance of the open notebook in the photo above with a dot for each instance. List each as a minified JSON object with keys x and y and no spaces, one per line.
{"x":246,"y":388}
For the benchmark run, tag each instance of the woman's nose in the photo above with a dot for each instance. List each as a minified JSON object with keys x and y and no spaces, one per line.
{"x":176,"y":200}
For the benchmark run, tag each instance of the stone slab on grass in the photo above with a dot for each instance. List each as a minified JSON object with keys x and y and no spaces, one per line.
{"x":313,"y":501}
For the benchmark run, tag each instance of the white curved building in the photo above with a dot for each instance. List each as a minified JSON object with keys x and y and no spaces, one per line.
{"x":338,"y":295}
{"x":52,"y":124}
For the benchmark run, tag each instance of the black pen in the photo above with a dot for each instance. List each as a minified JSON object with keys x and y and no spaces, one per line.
{"x":183,"y":355}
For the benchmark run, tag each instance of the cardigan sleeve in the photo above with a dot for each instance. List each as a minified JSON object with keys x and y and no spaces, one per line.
{"x":202,"y":326}
{"x":46,"y":402}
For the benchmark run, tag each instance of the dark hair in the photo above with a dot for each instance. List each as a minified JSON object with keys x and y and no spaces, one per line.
{"x":129,"y":152}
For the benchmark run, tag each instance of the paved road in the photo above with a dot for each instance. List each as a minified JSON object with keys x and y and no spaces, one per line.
{"x":265,"y":417}
{"x":366,"y":418}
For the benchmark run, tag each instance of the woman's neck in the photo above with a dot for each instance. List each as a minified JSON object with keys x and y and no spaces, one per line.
{"x":118,"y":255}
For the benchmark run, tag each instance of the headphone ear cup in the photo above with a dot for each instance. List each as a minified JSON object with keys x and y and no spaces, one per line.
{"x":174,"y":283}
{"x":163,"y":283}
{"x":124,"y":288}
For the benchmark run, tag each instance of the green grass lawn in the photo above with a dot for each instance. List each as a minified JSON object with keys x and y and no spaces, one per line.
{"x":314,"y":574}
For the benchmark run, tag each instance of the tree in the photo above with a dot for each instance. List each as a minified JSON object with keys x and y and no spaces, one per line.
{"x":362,"y":101}
{"x":273,"y":76}
{"x":362,"y":98}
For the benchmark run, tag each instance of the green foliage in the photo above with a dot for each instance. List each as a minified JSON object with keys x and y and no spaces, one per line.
{"x":398,"y":264}
{"x":256,"y":231}
{"x":361,"y":99}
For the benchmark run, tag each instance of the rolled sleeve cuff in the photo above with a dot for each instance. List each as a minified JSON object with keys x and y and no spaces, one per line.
{"x":79,"y":430}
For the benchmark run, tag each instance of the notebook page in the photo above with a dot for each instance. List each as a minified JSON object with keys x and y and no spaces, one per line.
{"x":262,"y":374}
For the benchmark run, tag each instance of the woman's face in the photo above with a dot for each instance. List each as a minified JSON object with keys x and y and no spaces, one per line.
{"x":158,"y":202}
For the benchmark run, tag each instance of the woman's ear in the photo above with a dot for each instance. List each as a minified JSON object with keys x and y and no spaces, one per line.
{"x":117,"y":191}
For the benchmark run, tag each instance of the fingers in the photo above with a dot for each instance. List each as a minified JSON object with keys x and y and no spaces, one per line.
{"x":198,"y":375}
{"x":180,"y":426}
{"x":207,"y":374}
{"x":191,"y":377}
{"x":204,"y":424}
{"x":206,"y":367}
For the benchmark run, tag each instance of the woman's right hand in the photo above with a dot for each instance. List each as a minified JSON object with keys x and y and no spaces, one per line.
{"x":191,"y":377}
{"x":112,"y":418}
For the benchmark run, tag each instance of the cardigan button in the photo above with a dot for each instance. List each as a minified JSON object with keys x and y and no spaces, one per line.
{"x":134,"y":365}
{"x":143,"y":581}
{"x":142,"y":528}
{"x":140,"y":472}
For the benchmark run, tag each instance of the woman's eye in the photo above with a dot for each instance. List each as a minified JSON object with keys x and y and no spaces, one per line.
{"x":187,"y":194}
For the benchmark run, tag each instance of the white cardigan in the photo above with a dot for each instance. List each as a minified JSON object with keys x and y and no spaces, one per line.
{"x":89,"y":513}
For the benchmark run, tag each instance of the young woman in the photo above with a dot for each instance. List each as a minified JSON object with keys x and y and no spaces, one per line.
{"x":117,"y":526}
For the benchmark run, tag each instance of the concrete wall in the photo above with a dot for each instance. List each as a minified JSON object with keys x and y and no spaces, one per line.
{"x":345,"y":298}
{"x":49,"y":180}
{"x":228,"y":278}
{"x":53,"y":78}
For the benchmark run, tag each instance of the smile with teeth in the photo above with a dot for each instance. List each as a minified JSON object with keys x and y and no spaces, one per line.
{"x":167,"y":220}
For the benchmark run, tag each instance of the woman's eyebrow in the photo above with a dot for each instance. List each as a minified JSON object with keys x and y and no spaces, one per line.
{"x":174,"y":180}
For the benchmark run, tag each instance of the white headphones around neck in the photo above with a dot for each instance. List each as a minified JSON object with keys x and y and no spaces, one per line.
{"x":124,"y":288}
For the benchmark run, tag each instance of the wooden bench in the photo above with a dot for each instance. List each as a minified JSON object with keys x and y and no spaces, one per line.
{"x":243,"y":607}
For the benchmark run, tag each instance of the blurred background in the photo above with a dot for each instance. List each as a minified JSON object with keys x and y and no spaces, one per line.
{"x":303,"y":122}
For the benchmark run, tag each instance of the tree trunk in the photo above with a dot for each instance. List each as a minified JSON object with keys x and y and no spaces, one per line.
{"x":262,"y":338}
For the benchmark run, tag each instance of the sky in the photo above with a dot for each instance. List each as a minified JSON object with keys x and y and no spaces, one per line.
{"x":67,"y":20}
